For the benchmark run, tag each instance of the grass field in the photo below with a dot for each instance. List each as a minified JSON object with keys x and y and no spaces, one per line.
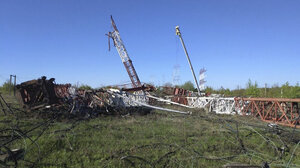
{"x":159,"y":139}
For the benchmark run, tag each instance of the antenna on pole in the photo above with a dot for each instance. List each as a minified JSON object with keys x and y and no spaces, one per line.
{"x":188,"y":58}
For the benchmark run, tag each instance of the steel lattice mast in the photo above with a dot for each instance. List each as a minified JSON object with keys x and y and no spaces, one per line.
{"x":118,"y":43}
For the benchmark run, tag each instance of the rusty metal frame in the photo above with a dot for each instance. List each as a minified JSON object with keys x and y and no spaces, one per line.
{"x":275,"y":110}
{"x":41,"y":92}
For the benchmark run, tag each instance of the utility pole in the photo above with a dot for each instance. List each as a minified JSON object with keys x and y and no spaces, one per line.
{"x":188,"y":58}
{"x":15,"y":82}
{"x":9,"y":90}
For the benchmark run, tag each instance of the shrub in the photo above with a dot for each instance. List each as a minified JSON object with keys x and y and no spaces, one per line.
{"x":6,"y":85}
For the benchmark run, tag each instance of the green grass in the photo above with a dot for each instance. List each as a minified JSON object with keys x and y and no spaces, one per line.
{"x":159,"y":139}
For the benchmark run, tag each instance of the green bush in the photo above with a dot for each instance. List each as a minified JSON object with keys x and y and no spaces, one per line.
{"x":188,"y":86}
{"x":85,"y":87}
{"x":6,"y":85}
{"x":252,"y":90}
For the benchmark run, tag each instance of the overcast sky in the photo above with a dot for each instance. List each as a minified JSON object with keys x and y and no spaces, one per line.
{"x":235,"y":40}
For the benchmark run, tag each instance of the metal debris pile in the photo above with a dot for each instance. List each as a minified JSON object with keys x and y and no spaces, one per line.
{"x":44,"y":93}
{"x":213,"y":103}
{"x":273,"y":110}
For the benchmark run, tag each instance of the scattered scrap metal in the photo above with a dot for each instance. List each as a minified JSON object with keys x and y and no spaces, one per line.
{"x":43,"y":93}
{"x":40,"y":92}
{"x":274,"y":110}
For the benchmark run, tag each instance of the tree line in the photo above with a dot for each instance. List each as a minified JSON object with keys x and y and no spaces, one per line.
{"x":251,"y":90}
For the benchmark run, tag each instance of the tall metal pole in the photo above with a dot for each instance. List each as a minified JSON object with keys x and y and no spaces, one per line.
{"x":10,"y":83}
{"x":15,"y":82}
{"x":188,"y":58}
